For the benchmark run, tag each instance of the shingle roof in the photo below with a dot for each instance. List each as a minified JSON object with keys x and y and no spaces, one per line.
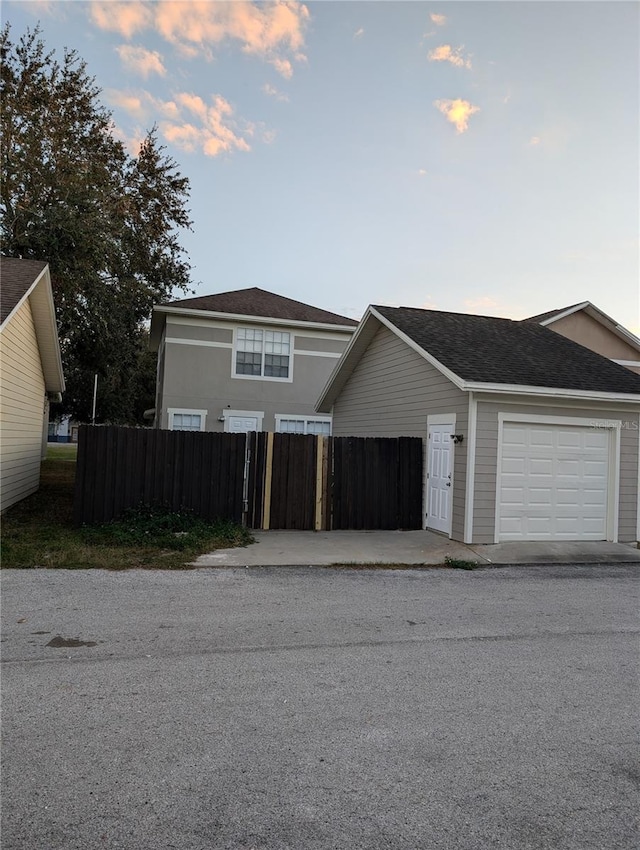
{"x":259,"y":302}
{"x":551,"y":313}
{"x":16,"y":278}
{"x":502,"y":351}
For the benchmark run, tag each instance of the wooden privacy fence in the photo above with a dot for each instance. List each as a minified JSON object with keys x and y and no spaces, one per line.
{"x":265,"y":480}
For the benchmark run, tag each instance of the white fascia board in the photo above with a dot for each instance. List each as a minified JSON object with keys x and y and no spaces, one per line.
{"x":552,"y":392}
{"x":43,"y":311}
{"x":564,"y":313}
{"x":455,"y":379}
{"x":254,"y":320}
{"x":347,"y":362}
{"x":599,"y":315}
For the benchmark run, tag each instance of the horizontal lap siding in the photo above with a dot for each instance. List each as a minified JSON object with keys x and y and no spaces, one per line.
{"x":487,"y":459}
{"x":390,"y":394}
{"x":21,"y":408}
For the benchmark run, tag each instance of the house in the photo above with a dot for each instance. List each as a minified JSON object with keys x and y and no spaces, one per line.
{"x":63,"y":429}
{"x":589,"y":326}
{"x":30,"y":374}
{"x":247,"y":360}
{"x":528,"y":435}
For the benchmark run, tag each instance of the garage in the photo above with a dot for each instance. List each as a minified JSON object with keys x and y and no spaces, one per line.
{"x":554,"y":481}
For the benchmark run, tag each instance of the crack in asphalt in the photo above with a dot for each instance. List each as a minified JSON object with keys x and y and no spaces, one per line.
{"x":363,"y":644}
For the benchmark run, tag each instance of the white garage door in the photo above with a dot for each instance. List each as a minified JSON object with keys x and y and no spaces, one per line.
{"x":553,"y":482}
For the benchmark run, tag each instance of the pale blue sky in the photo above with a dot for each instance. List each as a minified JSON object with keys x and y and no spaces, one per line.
{"x":325,"y":159}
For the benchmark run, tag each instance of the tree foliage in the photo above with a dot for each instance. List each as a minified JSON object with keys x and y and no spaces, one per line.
{"x":105,"y":221}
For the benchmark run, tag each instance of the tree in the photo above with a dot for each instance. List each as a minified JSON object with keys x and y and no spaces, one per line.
{"x":105,"y":221}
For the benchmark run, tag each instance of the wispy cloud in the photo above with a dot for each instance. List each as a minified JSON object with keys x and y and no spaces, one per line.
{"x":534,"y":141}
{"x":457,"y":112}
{"x":141,"y":61}
{"x":359,"y":33}
{"x":487,"y":305}
{"x":275,"y":32}
{"x":191,"y":123}
{"x":438,"y":20}
{"x":446,"y":53}
{"x":272,"y":91}
{"x":422,"y":172}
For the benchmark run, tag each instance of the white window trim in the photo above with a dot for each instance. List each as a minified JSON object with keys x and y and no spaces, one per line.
{"x":171,"y":411}
{"x":300,"y":418}
{"x":613,"y":488}
{"x":438,"y":419}
{"x":243,"y":414}
{"x":235,"y":376}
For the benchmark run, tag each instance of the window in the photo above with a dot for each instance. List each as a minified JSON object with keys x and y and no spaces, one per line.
{"x":186,"y":420}
{"x":262,"y":354}
{"x":301,"y":425}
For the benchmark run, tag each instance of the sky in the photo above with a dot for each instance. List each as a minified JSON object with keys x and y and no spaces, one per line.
{"x":475,"y":157}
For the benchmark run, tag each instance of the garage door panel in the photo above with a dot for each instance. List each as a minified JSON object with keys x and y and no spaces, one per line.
{"x":553,"y":483}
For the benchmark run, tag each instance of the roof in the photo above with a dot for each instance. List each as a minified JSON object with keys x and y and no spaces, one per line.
{"x":503,"y":351}
{"x":22,"y":280}
{"x":553,"y":314}
{"x":259,"y":302}
{"x":16,"y":279}
{"x":487,"y":353}
{"x":594,"y":312}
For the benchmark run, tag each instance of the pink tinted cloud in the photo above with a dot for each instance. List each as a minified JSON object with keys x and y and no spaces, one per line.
{"x":190,"y":122}
{"x":140,"y":60}
{"x":272,"y":31}
{"x":446,"y":53}
{"x":126,"y":18}
{"x":457,"y":112}
{"x":438,"y":20}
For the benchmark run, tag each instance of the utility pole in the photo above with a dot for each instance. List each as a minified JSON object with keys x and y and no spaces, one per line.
{"x":95,"y":395}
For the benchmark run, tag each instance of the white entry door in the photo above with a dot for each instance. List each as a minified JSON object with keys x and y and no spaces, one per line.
{"x":242,"y":424}
{"x":439,"y":476}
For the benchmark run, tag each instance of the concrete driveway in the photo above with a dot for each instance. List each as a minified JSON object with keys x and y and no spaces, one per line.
{"x":324,"y":548}
{"x":297,"y":709}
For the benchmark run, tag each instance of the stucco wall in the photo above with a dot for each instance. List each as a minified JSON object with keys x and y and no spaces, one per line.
{"x":585,"y":330}
{"x":196,"y":373}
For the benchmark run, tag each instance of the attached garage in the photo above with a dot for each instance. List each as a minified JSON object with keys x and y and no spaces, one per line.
{"x":556,"y":480}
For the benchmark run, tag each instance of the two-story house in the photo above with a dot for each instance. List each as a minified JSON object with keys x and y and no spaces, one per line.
{"x":246,"y":360}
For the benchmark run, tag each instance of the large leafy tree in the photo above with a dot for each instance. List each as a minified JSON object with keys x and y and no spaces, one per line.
{"x":107,"y":223}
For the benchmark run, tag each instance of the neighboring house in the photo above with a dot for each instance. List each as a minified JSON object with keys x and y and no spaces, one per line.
{"x":588,"y":325}
{"x":63,"y":429}
{"x":248,"y":360}
{"x":30,"y":374}
{"x":529,"y":435}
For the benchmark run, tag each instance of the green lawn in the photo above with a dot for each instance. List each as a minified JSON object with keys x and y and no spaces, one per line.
{"x":39,"y":531}
{"x":62,"y":451}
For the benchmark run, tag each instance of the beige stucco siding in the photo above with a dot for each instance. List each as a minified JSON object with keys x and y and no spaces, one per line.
{"x":196,"y":373}
{"x":585,"y":330}
{"x":391,"y":393}
{"x":487,"y":459}
{"x":21,"y":408}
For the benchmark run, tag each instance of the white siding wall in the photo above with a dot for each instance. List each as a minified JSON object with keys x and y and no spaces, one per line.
{"x":21,"y":409}
{"x":487,"y":459}
{"x":390,"y":394}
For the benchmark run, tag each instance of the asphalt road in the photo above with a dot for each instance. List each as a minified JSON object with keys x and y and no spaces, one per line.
{"x":300,"y":708}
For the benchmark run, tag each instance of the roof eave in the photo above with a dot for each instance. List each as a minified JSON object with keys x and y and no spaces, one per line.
{"x":242,"y":317}
{"x":551,"y":392}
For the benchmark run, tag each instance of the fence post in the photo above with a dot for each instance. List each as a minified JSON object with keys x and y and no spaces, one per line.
{"x":266,"y":512}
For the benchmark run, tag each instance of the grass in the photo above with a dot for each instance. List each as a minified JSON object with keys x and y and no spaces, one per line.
{"x":62,"y":451}
{"x":39,"y":531}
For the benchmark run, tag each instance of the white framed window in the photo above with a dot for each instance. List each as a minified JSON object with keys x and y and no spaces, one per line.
{"x":291,"y":424}
{"x":263,"y":354}
{"x":186,"y":420}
